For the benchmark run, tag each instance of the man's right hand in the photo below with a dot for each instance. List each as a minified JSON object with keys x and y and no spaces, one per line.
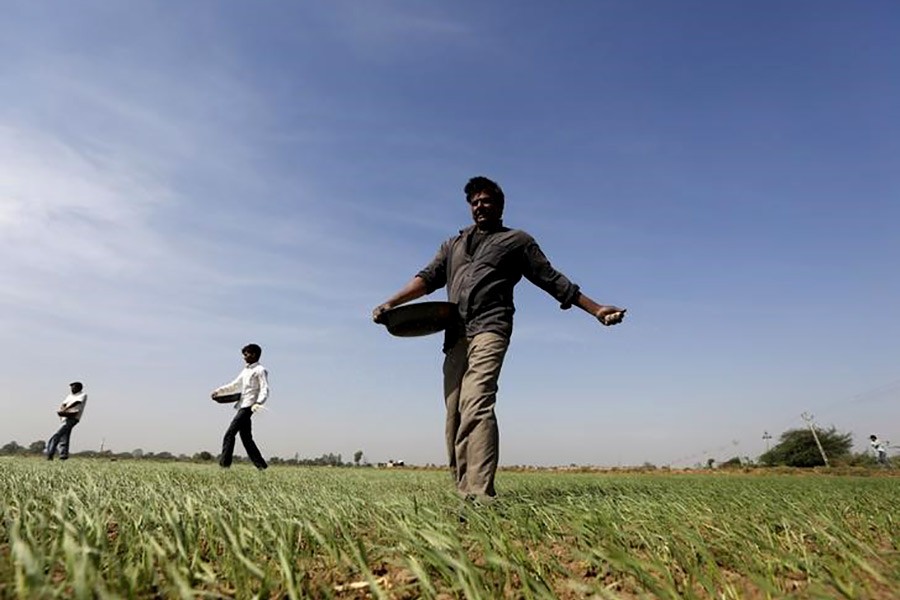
{"x":378,"y":312}
{"x":416,"y":288}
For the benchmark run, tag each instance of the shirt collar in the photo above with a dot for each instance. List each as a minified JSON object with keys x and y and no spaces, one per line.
{"x":474,"y":228}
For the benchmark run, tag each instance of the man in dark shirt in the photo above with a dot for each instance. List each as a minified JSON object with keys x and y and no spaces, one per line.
{"x":480,"y":267}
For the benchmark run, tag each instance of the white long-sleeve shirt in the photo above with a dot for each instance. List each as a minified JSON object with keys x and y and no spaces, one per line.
{"x":78,"y":400}
{"x":253,"y":384}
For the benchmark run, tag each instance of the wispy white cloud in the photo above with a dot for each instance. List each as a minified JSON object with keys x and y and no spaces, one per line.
{"x":64,"y":208}
{"x":386,"y":27}
{"x":102,"y":179}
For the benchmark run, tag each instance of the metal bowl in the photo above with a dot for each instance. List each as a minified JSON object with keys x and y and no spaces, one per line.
{"x":421,"y":318}
{"x":227,"y":398}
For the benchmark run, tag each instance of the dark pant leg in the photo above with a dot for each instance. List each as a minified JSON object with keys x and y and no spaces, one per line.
{"x":52,"y":443}
{"x":228,"y":441}
{"x":253,"y":452}
{"x":60,"y":440}
{"x":65,"y":438}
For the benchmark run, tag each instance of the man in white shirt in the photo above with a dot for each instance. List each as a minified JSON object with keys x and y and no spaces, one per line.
{"x":70,"y":412}
{"x":253,"y":385}
{"x":879,"y":450}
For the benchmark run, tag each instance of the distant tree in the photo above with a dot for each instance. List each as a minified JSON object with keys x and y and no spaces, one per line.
{"x":137,"y":453}
{"x":329,"y":460}
{"x":357,"y":456}
{"x":204,"y":456}
{"x":710,"y":463}
{"x":12,"y":447}
{"x":37,"y":447}
{"x":732,"y":463}
{"x":797,"y":448}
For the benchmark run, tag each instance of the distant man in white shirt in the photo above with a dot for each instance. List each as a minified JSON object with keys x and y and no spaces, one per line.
{"x":879,"y":450}
{"x":70,"y":412}
{"x":253,"y":385}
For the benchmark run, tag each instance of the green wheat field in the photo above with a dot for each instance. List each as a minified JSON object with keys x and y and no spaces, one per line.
{"x":91,"y":528}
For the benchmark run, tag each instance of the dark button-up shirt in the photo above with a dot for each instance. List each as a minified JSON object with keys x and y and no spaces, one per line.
{"x":481,"y":283}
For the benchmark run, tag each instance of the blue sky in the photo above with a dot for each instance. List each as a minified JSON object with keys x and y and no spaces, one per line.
{"x":179,"y":179}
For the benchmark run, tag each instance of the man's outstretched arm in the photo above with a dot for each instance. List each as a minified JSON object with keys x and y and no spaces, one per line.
{"x":605,"y":313}
{"x":541,"y":273}
{"x":415,"y":288}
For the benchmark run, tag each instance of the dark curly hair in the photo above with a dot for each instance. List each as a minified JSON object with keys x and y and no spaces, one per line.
{"x":479,"y":184}
{"x":252,"y":349}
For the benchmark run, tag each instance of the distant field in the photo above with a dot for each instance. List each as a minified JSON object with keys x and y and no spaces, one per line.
{"x":131,"y":529}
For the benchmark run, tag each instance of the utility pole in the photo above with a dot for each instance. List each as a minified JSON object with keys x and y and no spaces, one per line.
{"x":767,"y":437}
{"x":809,"y":421}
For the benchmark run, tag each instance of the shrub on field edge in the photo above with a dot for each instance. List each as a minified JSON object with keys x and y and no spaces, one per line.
{"x":798,"y":448}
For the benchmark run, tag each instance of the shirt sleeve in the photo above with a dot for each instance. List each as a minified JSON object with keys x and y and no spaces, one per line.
{"x":229,"y":388}
{"x":435,"y":273}
{"x":263,"y":386}
{"x":540,"y":272}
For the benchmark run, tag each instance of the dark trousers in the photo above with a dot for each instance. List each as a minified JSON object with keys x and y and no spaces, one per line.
{"x":242,"y":425}
{"x":60,"y":439}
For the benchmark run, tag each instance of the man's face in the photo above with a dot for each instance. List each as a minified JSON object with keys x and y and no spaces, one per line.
{"x":250,"y":357}
{"x":486,"y":211}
